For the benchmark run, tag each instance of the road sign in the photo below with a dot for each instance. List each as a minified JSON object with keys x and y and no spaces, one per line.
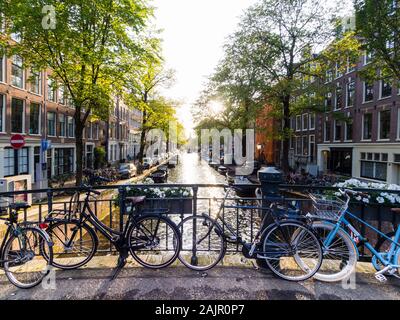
{"x":17,"y":141}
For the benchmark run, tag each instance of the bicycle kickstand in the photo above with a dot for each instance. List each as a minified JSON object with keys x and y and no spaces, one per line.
{"x":121,"y":264}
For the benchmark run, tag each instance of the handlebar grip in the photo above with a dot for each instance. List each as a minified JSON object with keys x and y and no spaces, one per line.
{"x":96,"y":192}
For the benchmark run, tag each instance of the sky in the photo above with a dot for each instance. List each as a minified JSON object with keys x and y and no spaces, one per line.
{"x":194,"y":32}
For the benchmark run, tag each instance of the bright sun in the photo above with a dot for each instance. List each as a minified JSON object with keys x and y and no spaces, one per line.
{"x":216,"y":107}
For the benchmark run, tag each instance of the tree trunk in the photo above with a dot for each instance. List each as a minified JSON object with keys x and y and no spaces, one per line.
{"x":79,"y":126}
{"x":285,"y":141}
{"x":142,"y":138}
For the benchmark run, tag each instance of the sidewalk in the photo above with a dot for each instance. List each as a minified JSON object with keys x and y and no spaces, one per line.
{"x":221,"y":283}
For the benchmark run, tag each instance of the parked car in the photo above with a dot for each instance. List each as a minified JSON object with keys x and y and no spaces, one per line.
{"x":147,"y":163}
{"x":127,"y":170}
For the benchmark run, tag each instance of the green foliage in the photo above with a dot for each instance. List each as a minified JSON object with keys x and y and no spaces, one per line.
{"x":378,"y":24}
{"x":100,"y":157}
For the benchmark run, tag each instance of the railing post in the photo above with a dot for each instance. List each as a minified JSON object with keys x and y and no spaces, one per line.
{"x":49,"y":200}
{"x":122,"y":204}
{"x":194,"y":259}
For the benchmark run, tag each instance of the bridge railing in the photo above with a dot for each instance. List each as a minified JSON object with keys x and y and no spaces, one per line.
{"x":242,"y":214}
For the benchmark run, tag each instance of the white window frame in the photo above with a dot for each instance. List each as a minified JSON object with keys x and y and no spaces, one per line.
{"x":351,"y":80}
{"x":379,"y":127}
{"x":40,"y":118}
{"x":334,"y":131}
{"x":336,"y":98}
{"x":303,"y":120}
{"x":23,"y":74}
{"x":55,"y":124}
{"x":365,"y":57}
{"x":4,"y":67}
{"x":311,"y":115}
{"x":3,"y":118}
{"x":345,"y":131}
{"x":65,"y":117}
{"x":327,"y":139}
{"x":365,"y":91}
{"x":381,"y":90}
{"x":23,"y":117}
{"x":362,"y":126}
{"x":40,"y":84}
{"x":309,"y":146}
{"x":297,"y":122}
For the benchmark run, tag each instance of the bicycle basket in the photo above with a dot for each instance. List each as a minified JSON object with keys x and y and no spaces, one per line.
{"x":327,"y":207}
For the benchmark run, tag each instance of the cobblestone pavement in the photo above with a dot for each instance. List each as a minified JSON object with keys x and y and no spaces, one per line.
{"x":221,"y":283}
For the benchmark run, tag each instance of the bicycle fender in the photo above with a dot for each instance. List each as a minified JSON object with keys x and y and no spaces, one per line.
{"x":340,"y":227}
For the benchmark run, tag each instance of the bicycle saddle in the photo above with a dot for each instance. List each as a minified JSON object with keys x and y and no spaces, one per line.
{"x":396,"y":210}
{"x":19,"y":206}
{"x":136,"y":200}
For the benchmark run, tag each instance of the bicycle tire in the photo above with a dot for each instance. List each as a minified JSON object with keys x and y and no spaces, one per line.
{"x":39,"y":267}
{"x":139,"y":226}
{"x":186,"y":239}
{"x":58,"y":255}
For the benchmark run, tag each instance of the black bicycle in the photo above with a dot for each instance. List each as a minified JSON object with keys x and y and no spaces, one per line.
{"x":288,"y":246}
{"x":152,"y":239}
{"x":26,"y":250}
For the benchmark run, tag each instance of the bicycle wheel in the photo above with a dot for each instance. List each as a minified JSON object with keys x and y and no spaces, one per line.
{"x":283,"y":242}
{"x":24,"y":263}
{"x":209,"y":252}
{"x":154,"y":241}
{"x":383,"y":246}
{"x":340,"y":256}
{"x":74,"y":244}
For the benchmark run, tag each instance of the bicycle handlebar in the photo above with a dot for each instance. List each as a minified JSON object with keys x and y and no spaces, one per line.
{"x":349,"y":192}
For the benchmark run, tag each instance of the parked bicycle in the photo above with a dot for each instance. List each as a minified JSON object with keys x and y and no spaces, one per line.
{"x":289,"y":247}
{"x":26,"y":250}
{"x":151,"y":238}
{"x":340,"y":239}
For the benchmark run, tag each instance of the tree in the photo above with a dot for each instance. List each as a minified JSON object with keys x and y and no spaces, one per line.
{"x":142,"y":88}
{"x":270,"y":55}
{"x":378,"y":27}
{"x":84,"y":46}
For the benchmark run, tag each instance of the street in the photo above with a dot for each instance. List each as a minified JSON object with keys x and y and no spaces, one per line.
{"x":180,"y":283}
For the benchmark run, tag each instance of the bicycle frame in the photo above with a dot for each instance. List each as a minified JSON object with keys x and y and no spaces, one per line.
{"x":394,"y":242}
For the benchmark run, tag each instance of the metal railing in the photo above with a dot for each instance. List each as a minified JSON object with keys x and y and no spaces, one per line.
{"x":243,"y":214}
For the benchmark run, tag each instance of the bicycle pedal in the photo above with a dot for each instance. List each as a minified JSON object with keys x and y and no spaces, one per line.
{"x":380,"y":277}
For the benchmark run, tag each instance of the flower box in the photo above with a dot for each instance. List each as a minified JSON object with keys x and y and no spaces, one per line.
{"x":174,"y":205}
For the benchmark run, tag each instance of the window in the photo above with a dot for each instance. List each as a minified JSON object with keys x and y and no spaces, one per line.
{"x":368,"y":92}
{"x":374,"y":169}
{"x":89,"y":156}
{"x":36,"y":162}
{"x":367,"y":126}
{"x":305,"y":145}
{"x":329,"y":76}
{"x":64,"y":160}
{"x":2,"y":66}
{"x":351,"y":86}
{"x":89,"y":133}
{"x":338,"y":73}
{"x":338,"y":130}
{"x":36,"y":80}
{"x":51,"y":124}
{"x":305,"y":122}
{"x":34,"y":118}
{"x":298,"y":146}
{"x":384,"y":125}
{"x":96,"y":131}
{"x":16,"y":162}
{"x":351,"y":65}
{"x":338,"y":97}
{"x":386,"y":89}
{"x":349,"y":130}
{"x":51,"y":90}
{"x":298,"y":123}
{"x":328,"y":101}
{"x":312,"y":149}
{"x":368,"y":57}
{"x":17,"y":72}
{"x":312,"y":121}
{"x":327,"y":131}
{"x":17,"y":116}
{"x":71,"y":127}
{"x":2,"y":112}
{"x":61,"y":125}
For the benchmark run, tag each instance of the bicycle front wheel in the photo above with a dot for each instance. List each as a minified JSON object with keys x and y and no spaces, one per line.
{"x":154,"y":241}
{"x":203,"y":244}
{"x":340,"y":255}
{"x":292,"y":251}
{"x":23,"y":260}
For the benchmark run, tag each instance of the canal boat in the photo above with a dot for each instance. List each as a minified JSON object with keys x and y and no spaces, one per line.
{"x":244,"y":187}
{"x":172,"y":163}
{"x":159,"y":176}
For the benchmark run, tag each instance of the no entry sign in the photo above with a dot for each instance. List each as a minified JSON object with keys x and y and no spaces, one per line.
{"x":17,"y":141}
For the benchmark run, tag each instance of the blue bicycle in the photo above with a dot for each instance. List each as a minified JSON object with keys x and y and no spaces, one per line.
{"x":340,"y":238}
